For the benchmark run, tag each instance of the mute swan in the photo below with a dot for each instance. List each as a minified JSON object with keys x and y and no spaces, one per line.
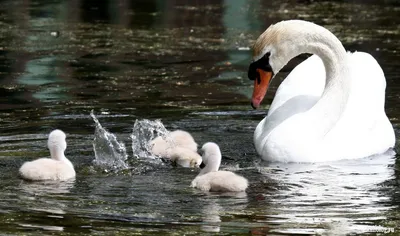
{"x":179,"y":146}
{"x":330,"y":107}
{"x":56,"y":168}
{"x":210,"y":179}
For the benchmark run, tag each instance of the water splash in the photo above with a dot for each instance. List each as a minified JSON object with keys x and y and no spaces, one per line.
{"x":109,"y":153}
{"x":142,"y":133}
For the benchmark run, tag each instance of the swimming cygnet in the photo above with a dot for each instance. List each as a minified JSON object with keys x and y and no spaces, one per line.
{"x":179,"y":146}
{"x":58,"y":167}
{"x":210,"y":179}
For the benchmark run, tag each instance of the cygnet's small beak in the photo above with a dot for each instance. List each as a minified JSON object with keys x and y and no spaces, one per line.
{"x":193,"y":164}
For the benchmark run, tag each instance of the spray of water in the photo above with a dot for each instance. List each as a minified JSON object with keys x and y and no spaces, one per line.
{"x":142,"y":133}
{"x":109,"y":153}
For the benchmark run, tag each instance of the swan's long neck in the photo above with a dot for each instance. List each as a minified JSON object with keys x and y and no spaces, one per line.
{"x":213,"y":163}
{"x":294,"y":38}
{"x":328,"y":110}
{"x":57,"y":154}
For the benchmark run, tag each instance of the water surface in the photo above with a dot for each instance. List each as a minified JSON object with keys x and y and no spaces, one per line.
{"x":184,"y":62}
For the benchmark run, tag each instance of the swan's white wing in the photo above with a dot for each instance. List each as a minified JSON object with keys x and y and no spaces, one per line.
{"x":300,"y":90}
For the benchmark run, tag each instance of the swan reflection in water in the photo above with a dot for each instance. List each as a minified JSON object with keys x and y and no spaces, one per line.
{"x":44,"y":199}
{"x":327,"y":197}
{"x":217,"y":204}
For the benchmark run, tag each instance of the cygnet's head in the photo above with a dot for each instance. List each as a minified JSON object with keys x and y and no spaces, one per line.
{"x":195,"y":161}
{"x":56,"y":142}
{"x":186,"y":157}
{"x":211,"y":155}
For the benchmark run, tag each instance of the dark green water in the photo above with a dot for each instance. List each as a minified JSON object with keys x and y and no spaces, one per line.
{"x":184,"y":62}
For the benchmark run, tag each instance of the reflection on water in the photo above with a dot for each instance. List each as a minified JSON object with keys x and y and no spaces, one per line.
{"x":344,"y":193}
{"x":184,"y":62}
{"x":46,"y":187}
{"x":43,"y":198}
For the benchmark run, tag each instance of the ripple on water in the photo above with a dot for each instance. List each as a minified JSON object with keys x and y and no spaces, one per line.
{"x":330,"y":196}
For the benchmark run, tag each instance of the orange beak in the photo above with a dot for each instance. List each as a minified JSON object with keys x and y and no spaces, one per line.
{"x":260,"y":87}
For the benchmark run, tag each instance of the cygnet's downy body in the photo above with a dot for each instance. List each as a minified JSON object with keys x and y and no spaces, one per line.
{"x":210,"y":179}
{"x":58,"y":167}
{"x":178,"y":146}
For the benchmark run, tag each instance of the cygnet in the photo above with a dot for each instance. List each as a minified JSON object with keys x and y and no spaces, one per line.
{"x":58,"y":167}
{"x":210,"y":179}
{"x":185,"y":157}
{"x":178,"y":146}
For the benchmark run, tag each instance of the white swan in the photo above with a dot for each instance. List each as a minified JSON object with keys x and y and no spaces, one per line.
{"x":179,"y":146}
{"x":210,"y":179}
{"x":330,"y":107}
{"x":56,"y":168}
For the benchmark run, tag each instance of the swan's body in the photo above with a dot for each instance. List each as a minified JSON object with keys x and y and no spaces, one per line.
{"x":56,"y":168}
{"x":210,"y":179}
{"x":330,"y":107}
{"x":178,"y":146}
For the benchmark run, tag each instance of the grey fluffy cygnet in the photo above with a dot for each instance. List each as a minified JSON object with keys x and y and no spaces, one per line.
{"x":179,"y":146}
{"x":210,"y":179}
{"x":58,"y":167}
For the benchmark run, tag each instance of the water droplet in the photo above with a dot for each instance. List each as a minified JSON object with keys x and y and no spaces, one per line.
{"x":55,"y":34}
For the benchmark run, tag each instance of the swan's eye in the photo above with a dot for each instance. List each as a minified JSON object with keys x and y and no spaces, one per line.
{"x":262,"y":64}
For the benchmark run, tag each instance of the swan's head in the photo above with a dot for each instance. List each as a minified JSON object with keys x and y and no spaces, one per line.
{"x":273,"y":50}
{"x":56,"y":142}
{"x":211,"y":155}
